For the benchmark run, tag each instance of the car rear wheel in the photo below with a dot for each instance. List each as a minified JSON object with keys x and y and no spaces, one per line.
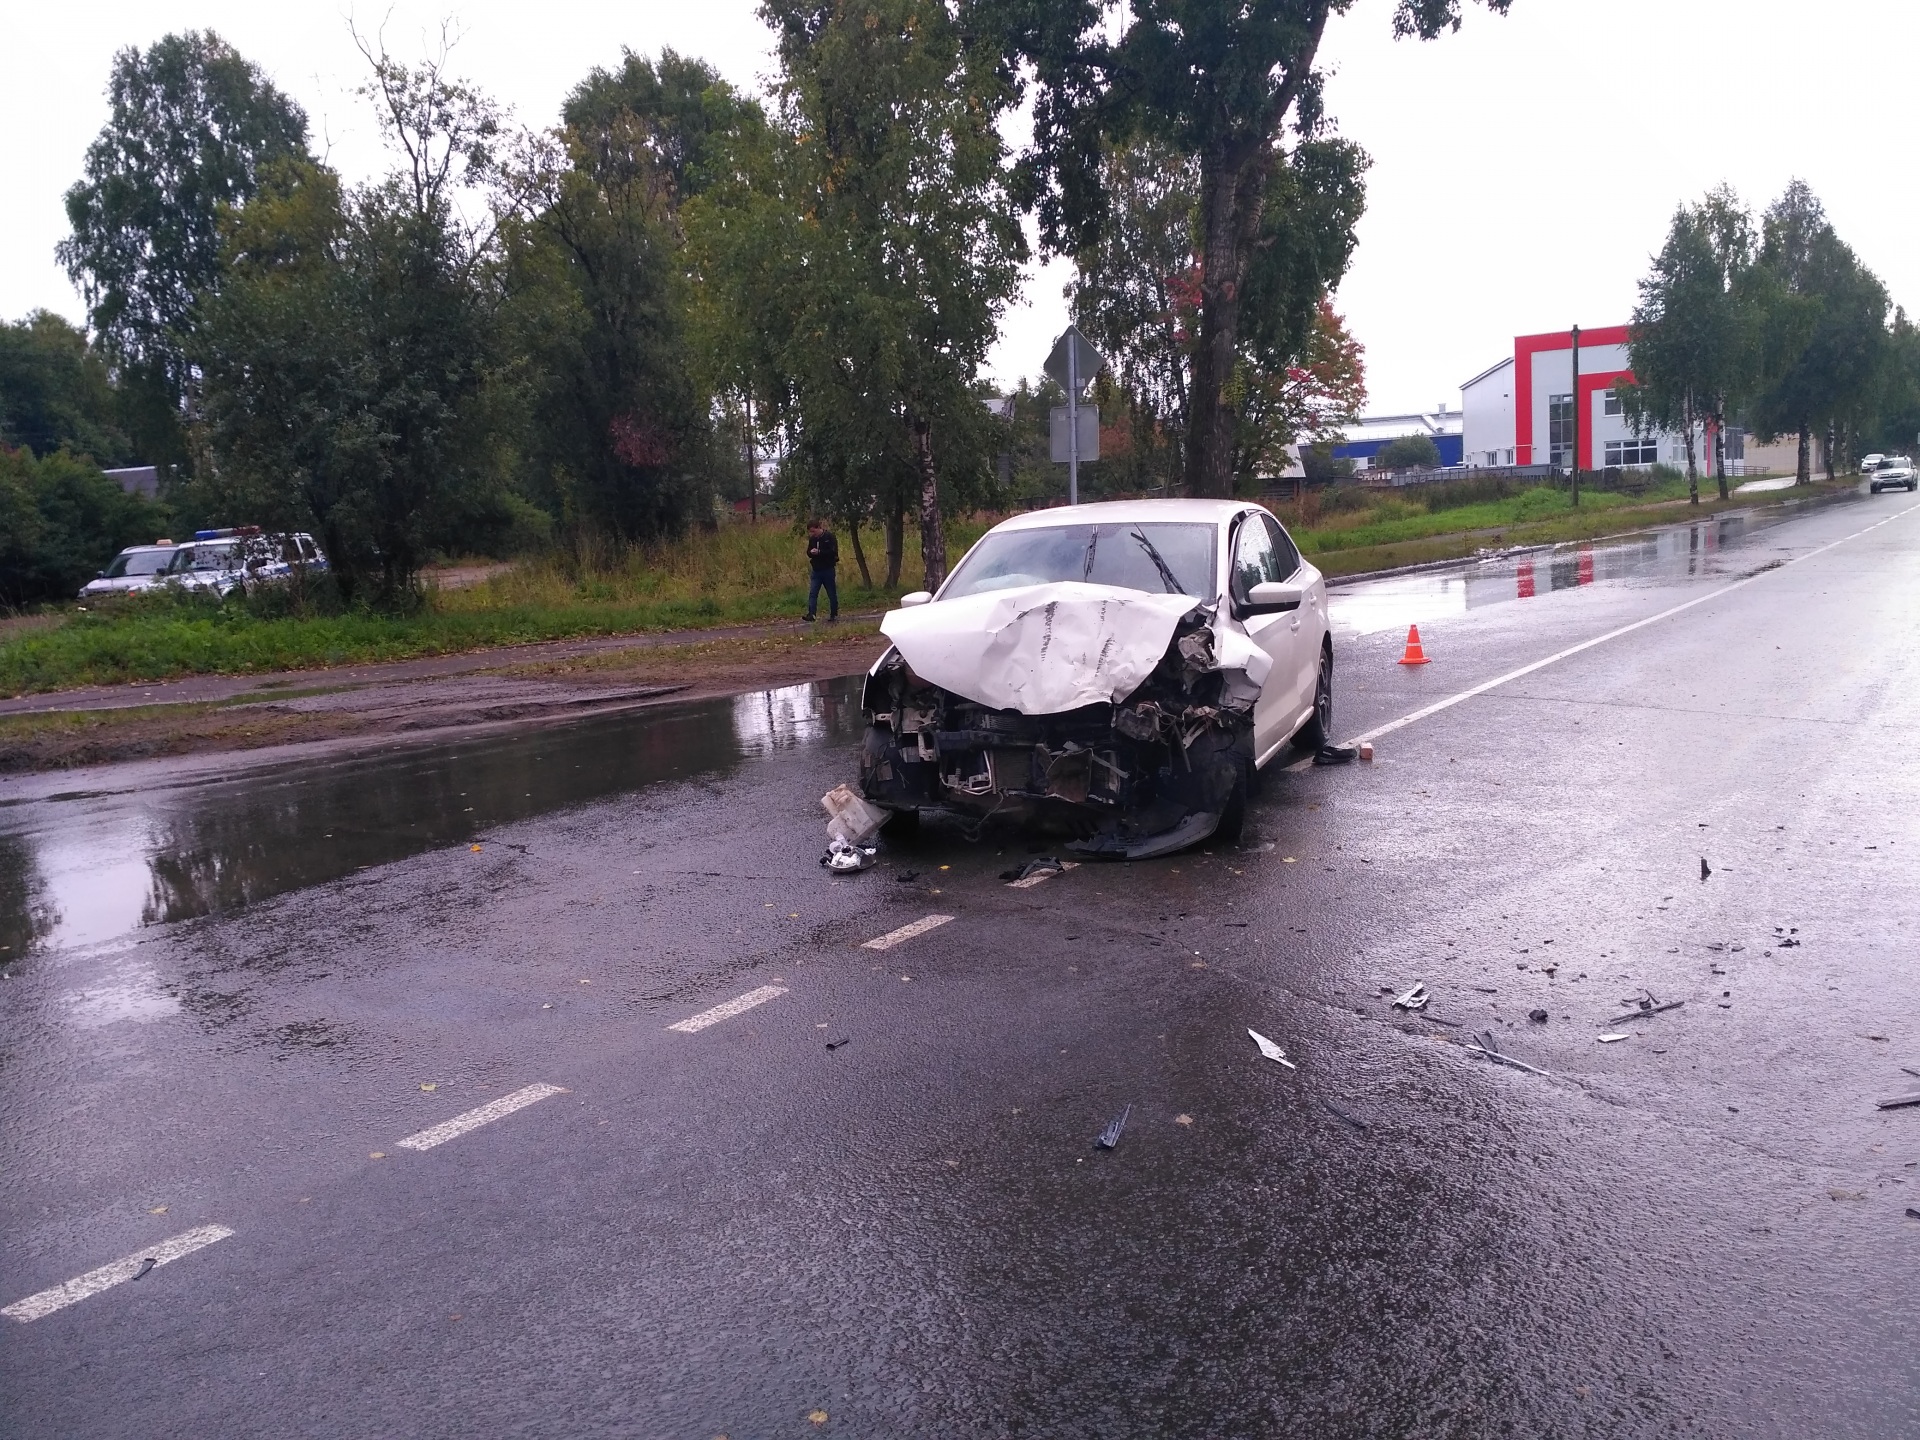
{"x":1319,"y":730}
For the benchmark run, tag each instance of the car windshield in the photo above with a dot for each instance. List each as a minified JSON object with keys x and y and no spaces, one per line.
{"x":1161,"y":558}
{"x":138,"y":562}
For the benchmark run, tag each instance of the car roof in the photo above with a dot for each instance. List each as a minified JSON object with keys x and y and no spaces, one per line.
{"x":137,"y":549}
{"x":1121,"y":512}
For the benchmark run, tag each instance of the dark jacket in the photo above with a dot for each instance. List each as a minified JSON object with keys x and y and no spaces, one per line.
{"x":823,"y":551}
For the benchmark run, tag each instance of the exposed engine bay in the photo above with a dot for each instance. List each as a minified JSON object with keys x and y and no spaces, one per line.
{"x":1161,"y":762}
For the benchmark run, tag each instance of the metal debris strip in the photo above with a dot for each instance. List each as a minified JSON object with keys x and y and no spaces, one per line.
{"x":1611,"y":1039}
{"x":1486,"y":1047}
{"x":1271,"y":1050}
{"x":145,"y":1265}
{"x":1414,"y":999}
{"x":1895,"y":1102}
{"x":837,"y":1041}
{"x":1116,"y":1127}
{"x":1343,"y":1116}
{"x":1647,"y":1007}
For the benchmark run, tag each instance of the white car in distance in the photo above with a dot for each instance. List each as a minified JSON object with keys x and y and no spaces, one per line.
{"x":1117,"y":671}
{"x":1893,"y":472}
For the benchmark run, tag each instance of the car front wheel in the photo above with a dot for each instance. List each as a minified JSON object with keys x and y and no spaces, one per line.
{"x":1318,"y":731}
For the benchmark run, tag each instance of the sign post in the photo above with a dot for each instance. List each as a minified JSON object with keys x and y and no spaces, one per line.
{"x":1073,"y":364}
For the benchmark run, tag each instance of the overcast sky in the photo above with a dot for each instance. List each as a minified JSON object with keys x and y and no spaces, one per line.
{"x":1523,"y":169}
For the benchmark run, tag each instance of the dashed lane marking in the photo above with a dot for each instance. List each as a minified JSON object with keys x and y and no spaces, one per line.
{"x":906,"y":932}
{"x":1033,"y":880}
{"x":120,"y":1271}
{"x":474,"y":1119}
{"x":693,"y":1024}
{"x":1572,"y":650}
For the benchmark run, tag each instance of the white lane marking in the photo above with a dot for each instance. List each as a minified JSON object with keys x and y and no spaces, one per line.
{"x":1033,"y":880}
{"x":1571,"y":650}
{"x":107,"y":1276}
{"x":906,"y":932}
{"x":694,"y":1024}
{"x":474,"y":1119}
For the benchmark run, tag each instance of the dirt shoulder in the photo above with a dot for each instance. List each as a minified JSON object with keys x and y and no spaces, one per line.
{"x":419,"y":699}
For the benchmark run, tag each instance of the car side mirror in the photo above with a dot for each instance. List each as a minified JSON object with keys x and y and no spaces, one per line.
{"x":915,"y":597}
{"x":1273,"y":596}
{"x":99,"y":574}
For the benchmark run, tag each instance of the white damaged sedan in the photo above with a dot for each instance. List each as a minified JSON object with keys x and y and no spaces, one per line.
{"x":1117,"y":671}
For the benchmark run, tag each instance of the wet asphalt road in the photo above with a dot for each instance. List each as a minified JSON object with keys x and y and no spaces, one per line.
{"x":732,"y":1231}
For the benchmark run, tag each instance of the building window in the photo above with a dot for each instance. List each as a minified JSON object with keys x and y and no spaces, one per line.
{"x":1633,"y":452}
{"x":1560,"y":430}
{"x":1609,"y":402}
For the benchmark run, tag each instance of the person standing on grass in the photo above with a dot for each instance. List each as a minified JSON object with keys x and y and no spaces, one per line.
{"x":823,"y":553}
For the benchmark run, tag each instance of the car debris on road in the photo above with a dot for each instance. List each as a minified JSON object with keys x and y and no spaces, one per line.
{"x":1414,"y":999}
{"x":1488,"y":1048}
{"x":1271,"y":1050}
{"x":844,"y":857}
{"x":1645,"y":1006}
{"x":1110,"y":1137}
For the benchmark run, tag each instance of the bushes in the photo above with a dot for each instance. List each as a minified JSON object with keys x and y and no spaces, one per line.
{"x":61,"y":521}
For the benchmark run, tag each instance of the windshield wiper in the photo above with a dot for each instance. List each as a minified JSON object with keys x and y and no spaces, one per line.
{"x":1167,"y":578}
{"x":1093,"y":544}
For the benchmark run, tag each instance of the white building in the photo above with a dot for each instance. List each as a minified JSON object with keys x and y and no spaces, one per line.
{"x":1522,"y":410}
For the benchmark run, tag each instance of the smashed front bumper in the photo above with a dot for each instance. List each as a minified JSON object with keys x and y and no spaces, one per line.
{"x":1154,"y":773}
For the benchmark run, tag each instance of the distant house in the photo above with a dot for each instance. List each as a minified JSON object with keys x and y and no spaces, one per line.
{"x":1363,"y":441}
{"x":138,"y":480}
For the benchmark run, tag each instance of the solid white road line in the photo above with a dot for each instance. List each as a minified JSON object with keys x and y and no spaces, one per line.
{"x":1571,"y":650}
{"x":474,"y":1119}
{"x":107,"y":1276}
{"x":906,"y":932}
{"x":694,"y":1024}
{"x":1033,"y":880}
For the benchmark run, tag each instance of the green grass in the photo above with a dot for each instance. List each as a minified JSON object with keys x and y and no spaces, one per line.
{"x":739,"y":574}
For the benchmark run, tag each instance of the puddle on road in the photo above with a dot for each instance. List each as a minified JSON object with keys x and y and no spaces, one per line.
{"x":90,"y":867}
{"x":1723,"y":547}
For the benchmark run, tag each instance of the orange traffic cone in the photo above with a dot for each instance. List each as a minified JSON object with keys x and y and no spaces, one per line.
{"x":1415,"y":655}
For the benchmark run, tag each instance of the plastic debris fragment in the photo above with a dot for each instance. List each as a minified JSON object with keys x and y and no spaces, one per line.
{"x":1271,"y":1050}
{"x":1414,"y":999}
{"x":1609,"y":1039}
{"x":851,"y":818}
{"x":1110,"y":1136}
{"x":1705,"y":869}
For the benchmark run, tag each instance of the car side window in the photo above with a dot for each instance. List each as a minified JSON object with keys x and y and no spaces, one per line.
{"x":1286,"y":559}
{"x":1253,"y":558}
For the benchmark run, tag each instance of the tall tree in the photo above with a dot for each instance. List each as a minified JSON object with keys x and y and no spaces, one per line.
{"x":620,"y":430}
{"x":1233,"y":84}
{"x":863,"y":256}
{"x":1692,"y":336}
{"x":1823,"y":329}
{"x":1141,"y":293}
{"x":191,"y":124}
{"x":687,"y":112}
{"x":349,"y":349}
{"x":55,"y":392}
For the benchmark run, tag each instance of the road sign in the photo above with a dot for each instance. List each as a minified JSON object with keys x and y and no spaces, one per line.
{"x":1074,"y":362}
{"x":1060,"y":449}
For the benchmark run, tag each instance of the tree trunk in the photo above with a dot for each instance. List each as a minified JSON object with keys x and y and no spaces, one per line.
{"x":1233,"y":191}
{"x":1830,"y":446}
{"x":1804,"y":472}
{"x":1693,"y":468}
{"x":933,"y":536}
{"x":859,"y":554}
{"x":1226,"y":237}
{"x":896,"y":526}
{"x":1720,"y":458}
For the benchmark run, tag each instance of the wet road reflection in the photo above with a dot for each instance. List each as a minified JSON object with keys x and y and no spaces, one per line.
{"x":90,"y":866}
{"x":1724,"y":546}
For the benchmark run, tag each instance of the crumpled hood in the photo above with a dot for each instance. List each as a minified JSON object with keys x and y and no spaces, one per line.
{"x":1041,"y":649}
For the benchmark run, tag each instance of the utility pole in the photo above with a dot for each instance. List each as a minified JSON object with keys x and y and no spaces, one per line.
{"x":1576,"y":417}
{"x":1073,"y":423}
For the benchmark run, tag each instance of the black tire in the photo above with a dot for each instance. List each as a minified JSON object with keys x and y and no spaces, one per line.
{"x":1319,"y":730}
